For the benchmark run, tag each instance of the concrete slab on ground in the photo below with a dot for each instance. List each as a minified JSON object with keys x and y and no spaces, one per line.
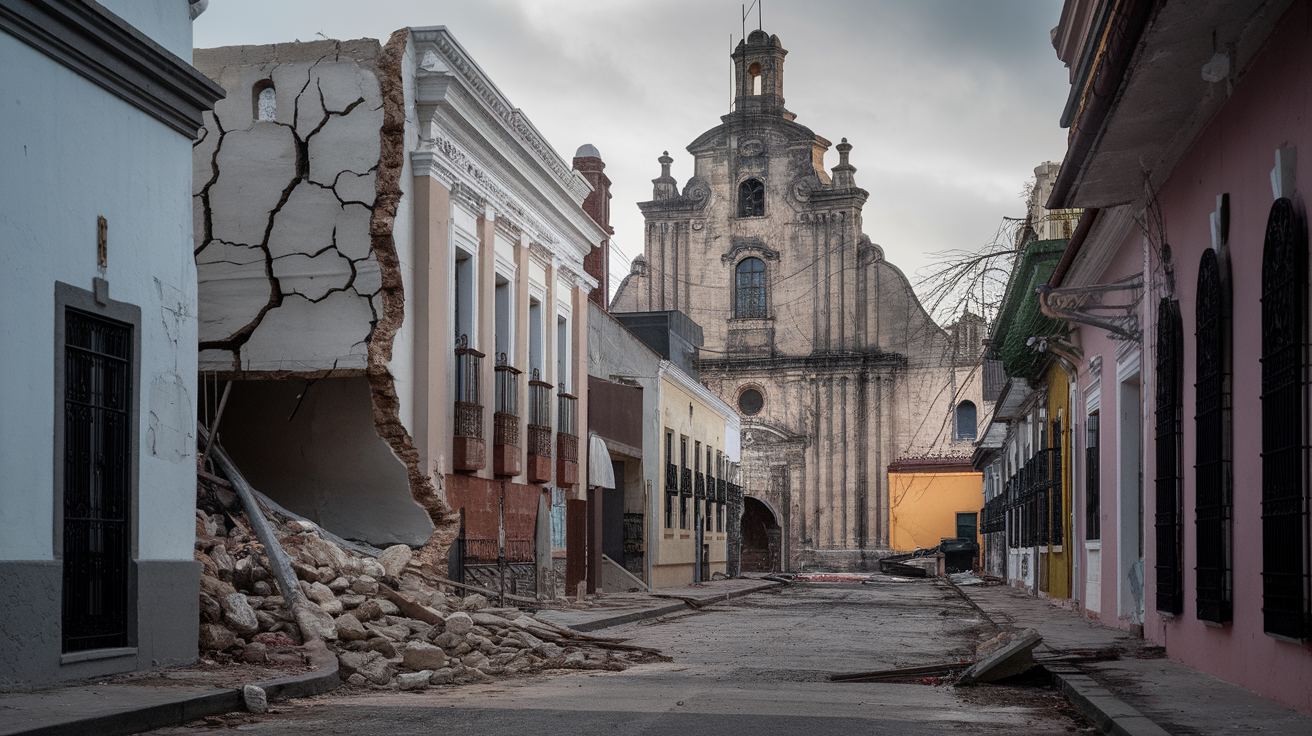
{"x":1154,"y":694}
{"x":105,"y":710}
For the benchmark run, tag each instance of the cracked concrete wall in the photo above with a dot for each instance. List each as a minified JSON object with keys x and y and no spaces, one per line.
{"x":303,"y":246}
{"x":289,"y":279}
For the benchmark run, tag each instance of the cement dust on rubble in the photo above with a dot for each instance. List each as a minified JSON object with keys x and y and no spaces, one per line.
{"x":386,"y":618}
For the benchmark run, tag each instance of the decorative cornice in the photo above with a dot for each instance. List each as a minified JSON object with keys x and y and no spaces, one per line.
{"x":749,"y":245}
{"x":101,"y":47}
{"x":446,"y":161}
{"x":540,"y":254}
{"x":459,"y":63}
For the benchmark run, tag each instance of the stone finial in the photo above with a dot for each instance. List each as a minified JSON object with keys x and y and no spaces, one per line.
{"x":844,"y":171}
{"x":665,"y":186}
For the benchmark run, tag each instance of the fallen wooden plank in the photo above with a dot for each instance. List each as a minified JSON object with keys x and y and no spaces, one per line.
{"x":927,"y":670}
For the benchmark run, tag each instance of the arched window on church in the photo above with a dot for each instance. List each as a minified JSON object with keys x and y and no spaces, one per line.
{"x":749,"y":291}
{"x":751,"y":198}
{"x":754,"y":76}
{"x":965,"y":421}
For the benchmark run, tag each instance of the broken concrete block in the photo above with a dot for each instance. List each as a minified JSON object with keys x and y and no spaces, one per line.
{"x":422,"y":656}
{"x":255,"y":699}
{"x":414,"y":680}
{"x":239,"y":615}
{"x":459,"y":623}
{"x":1011,"y":660}
{"x":349,"y":628}
{"x":214,"y":637}
{"x":395,"y":558}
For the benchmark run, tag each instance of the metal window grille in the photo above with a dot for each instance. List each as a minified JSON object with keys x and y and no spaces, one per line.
{"x":1058,"y":529}
{"x":699,"y":485}
{"x":1170,"y":350}
{"x":97,"y":481}
{"x":469,"y":407}
{"x":751,"y":198}
{"x":567,"y":443}
{"x":1092,"y":482}
{"x":539,"y":417}
{"x":749,"y":289}
{"x":683,"y":512}
{"x":1284,"y":577}
{"x":505,"y":419}
{"x":1212,"y":492}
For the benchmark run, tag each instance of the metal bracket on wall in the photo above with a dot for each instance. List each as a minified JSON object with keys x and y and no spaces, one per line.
{"x":1113,"y":307}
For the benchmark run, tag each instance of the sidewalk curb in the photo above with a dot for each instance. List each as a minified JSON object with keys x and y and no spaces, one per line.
{"x":1109,"y":713}
{"x":191,"y":708}
{"x":628,"y":618}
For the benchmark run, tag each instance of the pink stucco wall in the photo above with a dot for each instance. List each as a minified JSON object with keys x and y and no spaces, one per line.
{"x":1096,"y":342}
{"x":1270,"y":108}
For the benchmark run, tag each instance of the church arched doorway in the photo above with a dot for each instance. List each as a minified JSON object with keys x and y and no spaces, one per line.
{"x":760,"y":537}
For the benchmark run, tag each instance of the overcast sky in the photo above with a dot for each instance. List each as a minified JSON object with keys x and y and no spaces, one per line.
{"x":949,"y":104}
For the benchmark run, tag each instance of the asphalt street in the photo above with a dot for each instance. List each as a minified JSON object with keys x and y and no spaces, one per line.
{"x":755,"y":666}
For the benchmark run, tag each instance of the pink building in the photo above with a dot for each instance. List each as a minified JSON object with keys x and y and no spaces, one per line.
{"x":1187,"y":284}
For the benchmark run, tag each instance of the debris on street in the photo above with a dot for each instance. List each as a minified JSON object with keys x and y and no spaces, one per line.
{"x":391,"y":621}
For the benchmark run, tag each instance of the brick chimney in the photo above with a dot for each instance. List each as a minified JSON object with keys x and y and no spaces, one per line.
{"x":597,"y":263}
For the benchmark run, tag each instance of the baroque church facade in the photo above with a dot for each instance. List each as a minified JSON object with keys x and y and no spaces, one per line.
{"x":820,"y":343}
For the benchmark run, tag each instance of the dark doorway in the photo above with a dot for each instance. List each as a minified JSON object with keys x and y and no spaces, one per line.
{"x":612,"y":516}
{"x":97,"y":481}
{"x":760,"y":537}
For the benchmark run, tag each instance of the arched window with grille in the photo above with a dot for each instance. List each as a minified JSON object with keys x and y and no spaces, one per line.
{"x":1170,"y":351}
{"x":965,"y":421}
{"x":1212,"y":488}
{"x":749,"y":289}
{"x":751,"y":198}
{"x":1284,"y":335}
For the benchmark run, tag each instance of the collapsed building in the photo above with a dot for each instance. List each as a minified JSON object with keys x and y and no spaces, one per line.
{"x":391,"y":276}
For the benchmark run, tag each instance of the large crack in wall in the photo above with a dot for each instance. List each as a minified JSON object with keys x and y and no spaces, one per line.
{"x":280,"y":246}
{"x":386,"y":403}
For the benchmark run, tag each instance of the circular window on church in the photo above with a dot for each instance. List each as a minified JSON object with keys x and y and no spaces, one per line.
{"x":750,"y":402}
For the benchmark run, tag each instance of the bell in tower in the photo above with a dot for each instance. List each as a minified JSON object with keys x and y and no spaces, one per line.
{"x":759,"y":75}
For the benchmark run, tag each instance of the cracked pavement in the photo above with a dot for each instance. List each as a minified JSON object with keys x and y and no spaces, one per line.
{"x":757,"y":665}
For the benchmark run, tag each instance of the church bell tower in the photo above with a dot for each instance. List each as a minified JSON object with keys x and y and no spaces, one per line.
{"x":759,"y":75}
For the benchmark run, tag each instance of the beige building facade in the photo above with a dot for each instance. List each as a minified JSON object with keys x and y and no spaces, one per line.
{"x":819,"y":343}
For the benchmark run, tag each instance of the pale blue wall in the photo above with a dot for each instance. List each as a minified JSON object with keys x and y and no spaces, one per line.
{"x":71,"y":151}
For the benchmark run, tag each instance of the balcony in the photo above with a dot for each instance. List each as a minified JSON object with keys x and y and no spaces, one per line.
{"x":721,"y":490}
{"x":672,"y":479}
{"x":567,"y":442}
{"x":507,"y":457}
{"x":539,"y":431}
{"x":699,"y":485}
{"x":685,"y":482}
{"x":468,"y":448}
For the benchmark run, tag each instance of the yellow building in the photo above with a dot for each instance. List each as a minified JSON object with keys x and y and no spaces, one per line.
{"x":700,"y":435}
{"x":930,"y":499}
{"x":1055,"y":556}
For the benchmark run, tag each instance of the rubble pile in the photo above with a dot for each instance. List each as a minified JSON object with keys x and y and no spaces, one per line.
{"x":388,"y":620}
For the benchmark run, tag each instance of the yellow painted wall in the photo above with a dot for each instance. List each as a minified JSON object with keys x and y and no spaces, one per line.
{"x":923,"y":507}
{"x":1057,"y":557}
{"x":672,"y":560}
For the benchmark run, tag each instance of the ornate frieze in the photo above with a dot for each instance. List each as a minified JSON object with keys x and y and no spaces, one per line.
{"x":458,"y":62}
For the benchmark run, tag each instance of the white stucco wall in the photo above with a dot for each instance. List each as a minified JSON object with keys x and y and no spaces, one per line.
{"x":308,"y":229}
{"x":52,"y":188}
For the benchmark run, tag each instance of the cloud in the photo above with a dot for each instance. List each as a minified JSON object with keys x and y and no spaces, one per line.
{"x":949,"y":104}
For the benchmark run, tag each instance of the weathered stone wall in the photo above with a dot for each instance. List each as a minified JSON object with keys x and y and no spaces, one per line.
{"x":854,"y":372}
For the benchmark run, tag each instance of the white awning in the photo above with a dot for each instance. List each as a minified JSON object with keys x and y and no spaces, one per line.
{"x":600,"y":472}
